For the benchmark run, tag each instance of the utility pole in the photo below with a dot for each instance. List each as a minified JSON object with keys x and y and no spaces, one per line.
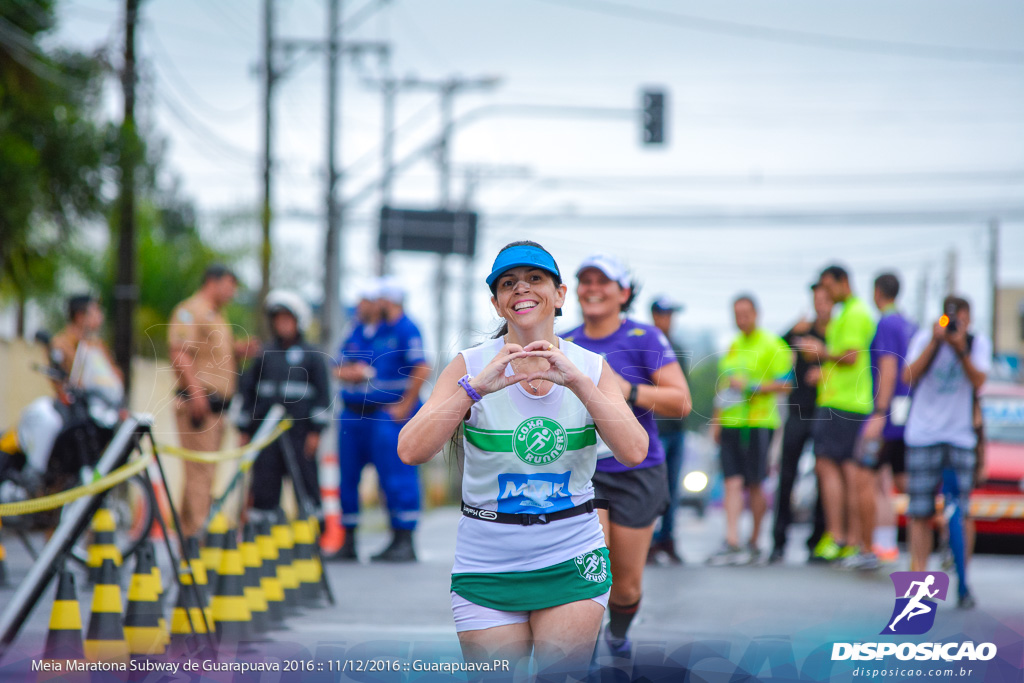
{"x":951,"y":272}
{"x":331,"y":316}
{"x":126,"y":290}
{"x":447,"y":88}
{"x":922,"y":298}
{"x":993,"y":276}
{"x":269,"y":77}
{"x":389,"y":92}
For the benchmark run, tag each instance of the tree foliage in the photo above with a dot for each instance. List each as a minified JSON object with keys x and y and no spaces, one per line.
{"x":53,"y":150}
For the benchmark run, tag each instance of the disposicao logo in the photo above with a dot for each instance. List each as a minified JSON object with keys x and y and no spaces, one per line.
{"x":912,"y":615}
{"x":916,"y":595}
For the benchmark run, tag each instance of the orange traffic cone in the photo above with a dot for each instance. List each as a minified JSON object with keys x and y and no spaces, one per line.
{"x":163,"y":505}
{"x":330,"y":481}
{"x":3,"y":559}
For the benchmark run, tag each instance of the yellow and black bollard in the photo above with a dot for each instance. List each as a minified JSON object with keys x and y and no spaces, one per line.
{"x":189,"y":617}
{"x":254,"y":595}
{"x":272,"y":589}
{"x":281,"y":532}
{"x":143,"y":630}
{"x":199,"y":575}
{"x":104,"y":545}
{"x":305,"y":563}
{"x":64,"y":641}
{"x":231,"y":616}
{"x":104,"y":640}
{"x":215,"y":535}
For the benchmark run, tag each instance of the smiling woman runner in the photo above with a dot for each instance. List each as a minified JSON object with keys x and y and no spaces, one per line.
{"x":651,"y":380}
{"x":531,"y":567}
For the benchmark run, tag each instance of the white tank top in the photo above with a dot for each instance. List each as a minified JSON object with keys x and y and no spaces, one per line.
{"x":527,"y":454}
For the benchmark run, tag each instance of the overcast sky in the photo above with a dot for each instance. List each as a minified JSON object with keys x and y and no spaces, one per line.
{"x":800,"y":133}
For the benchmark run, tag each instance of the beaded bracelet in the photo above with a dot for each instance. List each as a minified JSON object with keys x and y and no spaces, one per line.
{"x":473,"y":393}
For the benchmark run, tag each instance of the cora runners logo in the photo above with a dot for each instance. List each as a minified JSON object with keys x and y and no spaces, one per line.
{"x":916,"y":595}
{"x":539,"y":441}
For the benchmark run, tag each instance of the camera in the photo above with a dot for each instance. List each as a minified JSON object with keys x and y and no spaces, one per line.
{"x":950,"y":314}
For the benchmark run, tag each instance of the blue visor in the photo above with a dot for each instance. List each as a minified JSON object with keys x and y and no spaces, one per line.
{"x":515,"y":257}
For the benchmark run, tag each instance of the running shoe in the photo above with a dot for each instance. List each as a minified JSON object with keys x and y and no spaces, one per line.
{"x":753,"y":554}
{"x":848,"y":551}
{"x":727,"y":555}
{"x":966,"y":601}
{"x":886,"y":555}
{"x":827,"y":550}
{"x":864,"y":562}
{"x":777,"y":556}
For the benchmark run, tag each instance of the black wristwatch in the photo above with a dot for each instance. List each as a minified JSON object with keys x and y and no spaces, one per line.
{"x":632,"y":395}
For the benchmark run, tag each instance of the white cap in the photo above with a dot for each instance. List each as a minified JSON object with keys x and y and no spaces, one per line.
{"x":613,"y":268}
{"x":368,"y":291}
{"x":279,"y":299}
{"x":388,"y":287}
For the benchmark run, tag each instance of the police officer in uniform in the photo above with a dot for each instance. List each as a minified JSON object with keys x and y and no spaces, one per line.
{"x":293,"y":373}
{"x":382,"y":368}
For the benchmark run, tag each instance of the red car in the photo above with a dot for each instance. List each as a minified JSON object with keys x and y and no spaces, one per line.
{"x":997,"y":504}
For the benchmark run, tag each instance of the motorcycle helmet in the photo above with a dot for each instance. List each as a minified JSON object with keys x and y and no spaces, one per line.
{"x":284,"y":300}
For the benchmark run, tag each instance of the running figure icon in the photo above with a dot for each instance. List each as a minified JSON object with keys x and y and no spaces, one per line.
{"x":916,"y":607}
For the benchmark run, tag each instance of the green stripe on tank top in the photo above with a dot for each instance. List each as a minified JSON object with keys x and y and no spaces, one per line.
{"x":495,"y":441}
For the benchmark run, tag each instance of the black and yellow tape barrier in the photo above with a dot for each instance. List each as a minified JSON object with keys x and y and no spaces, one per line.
{"x":215,"y":457}
{"x":56,"y":500}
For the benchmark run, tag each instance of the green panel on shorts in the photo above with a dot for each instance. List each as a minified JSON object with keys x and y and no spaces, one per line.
{"x":501,"y":441}
{"x":581,"y":578}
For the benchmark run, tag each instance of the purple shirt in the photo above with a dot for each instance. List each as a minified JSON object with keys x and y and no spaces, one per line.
{"x":892,"y":337}
{"x":634,"y":351}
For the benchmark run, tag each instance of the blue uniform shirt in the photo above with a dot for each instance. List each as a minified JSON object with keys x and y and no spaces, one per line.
{"x":392,"y":350}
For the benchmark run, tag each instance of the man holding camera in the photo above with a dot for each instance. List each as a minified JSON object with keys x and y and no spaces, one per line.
{"x":947,"y":367}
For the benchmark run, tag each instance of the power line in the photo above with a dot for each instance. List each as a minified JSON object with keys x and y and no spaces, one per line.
{"x":181,"y":83}
{"x":202,"y":131}
{"x":794,"y":36}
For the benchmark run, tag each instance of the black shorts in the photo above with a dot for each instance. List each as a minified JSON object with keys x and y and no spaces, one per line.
{"x":636,"y":498}
{"x":893,"y":452}
{"x":744,"y":452}
{"x":836,"y":432}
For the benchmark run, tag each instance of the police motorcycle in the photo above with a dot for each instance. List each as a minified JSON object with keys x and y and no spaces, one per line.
{"x":57,"y":442}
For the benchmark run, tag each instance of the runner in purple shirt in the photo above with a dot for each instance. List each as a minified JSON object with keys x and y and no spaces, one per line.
{"x":651,"y":380}
{"x":882,"y":438}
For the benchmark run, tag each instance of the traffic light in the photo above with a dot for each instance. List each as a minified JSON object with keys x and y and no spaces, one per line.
{"x":654,"y":117}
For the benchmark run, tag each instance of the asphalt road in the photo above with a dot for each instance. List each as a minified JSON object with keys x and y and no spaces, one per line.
{"x":402,"y":609}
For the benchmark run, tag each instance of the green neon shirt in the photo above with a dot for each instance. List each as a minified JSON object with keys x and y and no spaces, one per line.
{"x":848,"y":387}
{"x":760,"y":358}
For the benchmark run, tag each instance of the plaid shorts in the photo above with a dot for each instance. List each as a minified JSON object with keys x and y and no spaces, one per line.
{"x":924,"y":474}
